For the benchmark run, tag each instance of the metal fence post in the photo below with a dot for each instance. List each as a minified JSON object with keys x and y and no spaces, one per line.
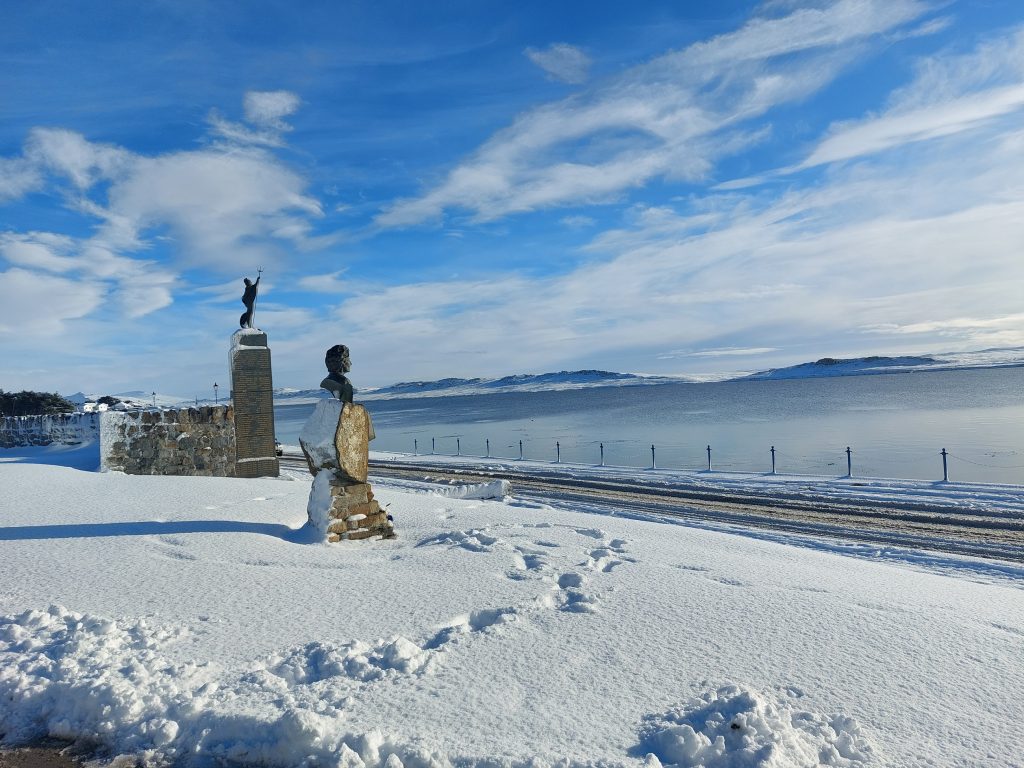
{"x":602,"y":454}
{"x":709,"y":458}
{"x":558,"y":452}
{"x":945,"y":474}
{"x":773,"y":459}
{"x":654,"y":464}
{"x":458,"y":447}
{"x":488,"y":447}
{"x":520,"y":450}
{"x":849,"y":462}
{"x":432,"y":445}
{"x":416,"y":446}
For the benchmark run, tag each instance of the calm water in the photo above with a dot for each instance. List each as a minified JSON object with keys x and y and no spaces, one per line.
{"x":895,"y":424}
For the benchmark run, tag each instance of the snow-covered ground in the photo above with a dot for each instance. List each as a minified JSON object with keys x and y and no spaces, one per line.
{"x":192,"y":619}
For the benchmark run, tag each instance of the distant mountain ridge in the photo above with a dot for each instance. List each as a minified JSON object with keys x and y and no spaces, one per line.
{"x":877,"y":364}
{"x":589,"y":378}
{"x":522,"y":382}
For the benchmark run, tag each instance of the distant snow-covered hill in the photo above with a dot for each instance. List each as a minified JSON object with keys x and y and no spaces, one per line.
{"x":134,"y":399}
{"x":478,"y":386}
{"x":584,"y":379}
{"x":875,"y":364}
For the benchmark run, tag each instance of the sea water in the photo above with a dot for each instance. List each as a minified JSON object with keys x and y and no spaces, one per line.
{"x":895,"y":425}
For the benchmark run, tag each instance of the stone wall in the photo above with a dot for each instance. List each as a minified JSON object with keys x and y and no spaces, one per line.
{"x":63,"y":429}
{"x":187,"y":441}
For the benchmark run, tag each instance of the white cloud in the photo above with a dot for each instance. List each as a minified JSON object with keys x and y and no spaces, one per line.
{"x":577,"y":222}
{"x":849,"y":266}
{"x":561,"y":61}
{"x":268,"y":108}
{"x":225,"y":209}
{"x":950,"y":94}
{"x":331,"y":282}
{"x":222,"y":208}
{"x":39,"y":304}
{"x":38,"y":250}
{"x":18,"y":177}
{"x":922,"y":124}
{"x":69,"y":154}
{"x":264,"y":112}
{"x":672,"y":117}
{"x":734,"y":352}
{"x":138,"y":287}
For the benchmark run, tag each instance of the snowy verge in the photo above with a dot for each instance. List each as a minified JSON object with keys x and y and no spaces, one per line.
{"x":495,"y":489}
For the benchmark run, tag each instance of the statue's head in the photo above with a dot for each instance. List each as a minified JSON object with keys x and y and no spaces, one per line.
{"x":248,"y":282}
{"x":337,"y":359}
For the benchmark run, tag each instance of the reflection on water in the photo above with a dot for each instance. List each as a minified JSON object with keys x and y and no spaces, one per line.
{"x":895,"y":424}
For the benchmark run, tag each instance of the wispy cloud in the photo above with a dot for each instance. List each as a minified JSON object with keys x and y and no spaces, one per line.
{"x":950,"y":94}
{"x":264,"y":112}
{"x":269,"y":108}
{"x":733,"y":352}
{"x":672,"y":117}
{"x":561,"y":61}
{"x":578,"y":222}
{"x":848,"y":265}
{"x":331,"y":282}
{"x":39,"y":304}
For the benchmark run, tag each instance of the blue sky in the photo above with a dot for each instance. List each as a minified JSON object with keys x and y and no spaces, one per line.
{"x":474,"y":189}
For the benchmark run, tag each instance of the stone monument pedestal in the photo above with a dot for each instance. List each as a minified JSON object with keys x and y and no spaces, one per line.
{"x":335,"y":440}
{"x":252,"y":394}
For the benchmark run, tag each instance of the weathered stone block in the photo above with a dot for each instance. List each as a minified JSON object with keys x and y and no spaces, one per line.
{"x":369,"y":508}
{"x":337,"y":437}
{"x":360,"y":534}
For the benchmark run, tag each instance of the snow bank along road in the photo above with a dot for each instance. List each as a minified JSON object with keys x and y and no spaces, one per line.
{"x":981,"y":520}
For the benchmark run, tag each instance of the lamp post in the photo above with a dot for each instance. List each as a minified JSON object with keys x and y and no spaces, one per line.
{"x":216,"y":399}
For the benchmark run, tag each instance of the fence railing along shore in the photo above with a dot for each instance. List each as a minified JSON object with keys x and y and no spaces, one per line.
{"x":845,"y":456}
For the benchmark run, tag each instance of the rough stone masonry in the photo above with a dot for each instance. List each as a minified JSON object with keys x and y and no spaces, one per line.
{"x":335,"y":440}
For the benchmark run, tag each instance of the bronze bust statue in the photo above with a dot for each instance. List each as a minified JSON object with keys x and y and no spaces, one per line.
{"x":338,"y":364}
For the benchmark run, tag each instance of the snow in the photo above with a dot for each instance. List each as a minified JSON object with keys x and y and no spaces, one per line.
{"x":136,"y":398}
{"x":318,"y":433}
{"x":318,"y":508}
{"x":495,"y":489}
{"x":734,"y":726}
{"x":189,"y":620}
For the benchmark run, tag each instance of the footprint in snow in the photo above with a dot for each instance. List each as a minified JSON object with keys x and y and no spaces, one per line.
{"x":602,"y":559}
{"x":475,"y":621}
{"x":475,"y":540}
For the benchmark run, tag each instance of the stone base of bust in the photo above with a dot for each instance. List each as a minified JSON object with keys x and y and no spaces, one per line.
{"x":335,"y":442}
{"x":355,"y":514}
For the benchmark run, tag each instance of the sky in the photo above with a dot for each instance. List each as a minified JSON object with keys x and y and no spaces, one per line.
{"x":487,"y":188}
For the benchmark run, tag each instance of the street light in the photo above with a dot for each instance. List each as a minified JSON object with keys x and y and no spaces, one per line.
{"x":216,"y":400}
